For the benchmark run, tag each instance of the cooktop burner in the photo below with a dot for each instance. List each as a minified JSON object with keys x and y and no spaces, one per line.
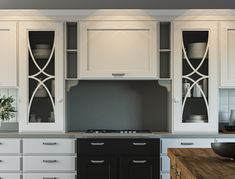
{"x":126,"y":131}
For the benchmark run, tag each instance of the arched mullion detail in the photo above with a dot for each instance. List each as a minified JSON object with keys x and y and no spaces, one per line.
{"x":41,"y":83}
{"x":41,"y":70}
{"x":195,"y":70}
{"x":203,"y":95}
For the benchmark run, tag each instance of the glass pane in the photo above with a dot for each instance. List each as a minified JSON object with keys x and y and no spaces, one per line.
{"x":41,"y":60}
{"x":195,"y":76}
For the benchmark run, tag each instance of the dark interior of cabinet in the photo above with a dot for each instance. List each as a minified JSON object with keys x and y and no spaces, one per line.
{"x":195,"y":105}
{"x":117,"y":105}
{"x":165,"y":49}
{"x":71,"y":55}
{"x":71,"y":28}
{"x":41,"y":107}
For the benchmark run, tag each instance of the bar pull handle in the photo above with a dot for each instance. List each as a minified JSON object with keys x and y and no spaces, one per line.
{"x":187,"y":143}
{"x":118,"y":74}
{"x":139,"y":144}
{"x":49,"y":161}
{"x":97,"y":143}
{"x":49,"y":143}
{"x":97,"y":161}
{"x":47,"y":178}
{"x":139,"y":161}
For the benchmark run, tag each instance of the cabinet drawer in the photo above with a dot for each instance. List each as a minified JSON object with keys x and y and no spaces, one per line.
{"x":49,"y":163}
{"x":49,"y":176}
{"x":10,"y":163}
{"x":118,"y":146}
{"x":185,"y":143}
{"x":55,"y":146}
{"x":10,"y":146}
{"x":10,"y":176}
{"x":165,"y":164}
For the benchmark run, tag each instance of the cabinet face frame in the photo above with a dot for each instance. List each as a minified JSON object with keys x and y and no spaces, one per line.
{"x":24,"y":124}
{"x":149,"y":27}
{"x":212,"y":124}
{"x":8,"y":73}
{"x":225,"y":71}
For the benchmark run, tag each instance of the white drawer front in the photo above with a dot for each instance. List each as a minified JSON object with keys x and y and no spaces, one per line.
{"x":10,"y":146}
{"x":165,"y":164}
{"x":9,"y":163}
{"x":165,"y":175}
{"x":185,"y":143}
{"x":54,"y":146}
{"x":49,"y":163}
{"x":49,"y":176}
{"x":10,"y":176}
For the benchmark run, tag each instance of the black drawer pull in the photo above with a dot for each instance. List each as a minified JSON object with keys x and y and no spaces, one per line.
{"x":97,"y":161}
{"x":49,"y":143}
{"x":97,"y":143}
{"x":139,"y":144}
{"x":187,"y":143}
{"x":118,"y":74}
{"x":49,"y":161}
{"x":47,"y":178}
{"x":139,"y":161}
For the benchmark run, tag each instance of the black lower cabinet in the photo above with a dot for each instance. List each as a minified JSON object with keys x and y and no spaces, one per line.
{"x":138,"y":168}
{"x":101,"y":167}
{"x":118,"y":159}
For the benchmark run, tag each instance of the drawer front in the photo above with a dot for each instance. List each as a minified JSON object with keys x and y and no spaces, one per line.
{"x":55,"y":146}
{"x":165,"y":164}
{"x":49,"y":163}
{"x":118,"y":146}
{"x":10,"y":163}
{"x":49,"y":176}
{"x":10,"y":176}
{"x":185,"y":143}
{"x":10,"y":146}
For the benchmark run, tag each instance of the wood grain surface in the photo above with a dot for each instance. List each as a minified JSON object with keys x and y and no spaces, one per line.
{"x":201,"y":163}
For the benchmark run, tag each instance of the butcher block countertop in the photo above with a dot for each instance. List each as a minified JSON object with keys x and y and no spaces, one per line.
{"x":198,"y":163}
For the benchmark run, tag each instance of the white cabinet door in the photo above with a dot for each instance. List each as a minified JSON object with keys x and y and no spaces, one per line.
{"x":41,"y":107}
{"x":227,"y":58}
{"x":118,"y":49}
{"x":8,"y":62}
{"x":10,"y":176}
{"x":195,"y":81}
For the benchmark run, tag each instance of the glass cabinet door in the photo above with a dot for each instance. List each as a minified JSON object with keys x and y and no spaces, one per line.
{"x":195,"y":76}
{"x":41,"y":77}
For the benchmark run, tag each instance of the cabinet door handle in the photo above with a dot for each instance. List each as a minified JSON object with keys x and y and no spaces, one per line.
{"x":139,"y":161}
{"x":97,"y":143}
{"x":49,"y":161}
{"x":97,"y":161}
{"x":139,"y":144}
{"x":49,"y":143}
{"x":177,"y":173}
{"x":118,"y":74}
{"x":47,"y":178}
{"x":187,"y":143}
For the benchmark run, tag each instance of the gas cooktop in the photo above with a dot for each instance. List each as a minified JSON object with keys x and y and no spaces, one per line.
{"x":125,"y":131}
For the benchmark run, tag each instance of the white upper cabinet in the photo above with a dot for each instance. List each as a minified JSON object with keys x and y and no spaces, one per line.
{"x":118,"y":49}
{"x":41,"y":107}
{"x":195,"y":88}
{"x":227,"y":41}
{"x":8,"y":54}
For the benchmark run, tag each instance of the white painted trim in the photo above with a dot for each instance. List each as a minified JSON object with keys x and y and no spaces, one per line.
{"x":117,"y":14}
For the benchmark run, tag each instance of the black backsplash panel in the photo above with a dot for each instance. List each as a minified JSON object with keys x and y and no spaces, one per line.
{"x":117,"y":105}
